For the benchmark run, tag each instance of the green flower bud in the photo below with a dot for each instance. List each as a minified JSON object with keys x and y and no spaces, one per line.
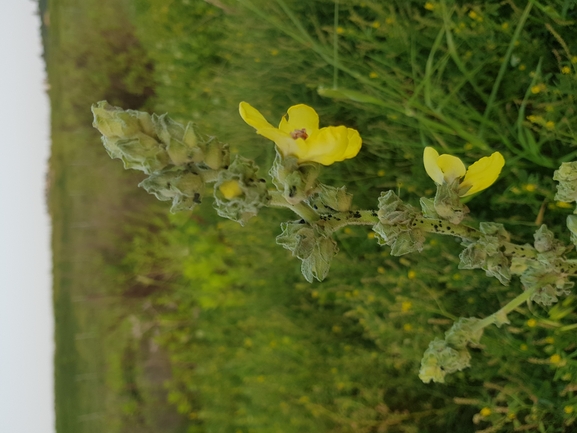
{"x":463,"y":334}
{"x":485,"y":254}
{"x":566,"y":175}
{"x":239,"y":193}
{"x":448,"y":202}
{"x":217,"y":155}
{"x":114,"y":122}
{"x":439,"y":360}
{"x":331,"y":199}
{"x":296,"y":181}
{"x":572,"y":226}
{"x":138,"y":153}
{"x":549,"y":281}
{"x":311,"y":245}
{"x":395,"y":225}
{"x":183,"y":187}
{"x":428,"y":208}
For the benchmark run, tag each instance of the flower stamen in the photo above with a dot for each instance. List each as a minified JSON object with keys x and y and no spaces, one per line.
{"x":299,"y":133}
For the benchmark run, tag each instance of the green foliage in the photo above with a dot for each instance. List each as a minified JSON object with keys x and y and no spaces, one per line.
{"x":252,"y":347}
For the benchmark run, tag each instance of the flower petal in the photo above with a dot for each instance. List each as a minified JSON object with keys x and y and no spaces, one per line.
{"x":253,"y":117}
{"x":230,"y":189}
{"x":300,"y":116}
{"x":432,"y":168}
{"x":327,"y":146}
{"x":354,"y":144}
{"x":482,"y":174}
{"x":451,"y":166}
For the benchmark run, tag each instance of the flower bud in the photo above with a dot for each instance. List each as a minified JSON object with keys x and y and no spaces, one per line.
{"x":566,"y":175}
{"x":183,"y":187}
{"x":311,"y":245}
{"x":296,"y":181}
{"x":394,"y":227}
{"x":239,"y":193}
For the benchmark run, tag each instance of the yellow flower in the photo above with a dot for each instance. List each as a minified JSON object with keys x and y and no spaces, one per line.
{"x":447,"y":168}
{"x":299,"y":135}
{"x":230,"y":189}
{"x":485,"y":411}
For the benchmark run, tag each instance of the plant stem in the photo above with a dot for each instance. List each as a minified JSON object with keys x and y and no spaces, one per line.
{"x":301,"y":209}
{"x":514,"y":303}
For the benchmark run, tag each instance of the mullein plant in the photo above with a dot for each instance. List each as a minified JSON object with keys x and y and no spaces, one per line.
{"x":180,"y":163}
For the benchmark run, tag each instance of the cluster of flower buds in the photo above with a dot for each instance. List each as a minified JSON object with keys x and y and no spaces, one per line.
{"x":451,"y":354}
{"x":178,"y":160}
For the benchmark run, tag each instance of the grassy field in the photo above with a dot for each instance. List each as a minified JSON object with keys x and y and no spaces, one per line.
{"x":101,"y":368}
{"x":186,"y":323}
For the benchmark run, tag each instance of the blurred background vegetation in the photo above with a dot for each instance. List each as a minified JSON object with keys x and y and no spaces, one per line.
{"x":186,"y":323}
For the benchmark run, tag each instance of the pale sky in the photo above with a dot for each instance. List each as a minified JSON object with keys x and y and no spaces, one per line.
{"x":26,"y":323}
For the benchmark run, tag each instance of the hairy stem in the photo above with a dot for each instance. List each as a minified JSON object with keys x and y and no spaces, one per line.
{"x":301,"y":209}
{"x":514,"y":303}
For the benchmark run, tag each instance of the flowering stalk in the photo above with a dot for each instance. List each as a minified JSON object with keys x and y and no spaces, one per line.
{"x":180,"y":163}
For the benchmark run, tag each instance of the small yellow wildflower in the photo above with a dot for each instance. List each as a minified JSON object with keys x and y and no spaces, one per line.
{"x":337,"y":329}
{"x":485,"y":412}
{"x":555,"y":359}
{"x":274,"y":52}
{"x":563,"y":205}
{"x":447,"y":168}
{"x":531,"y":323}
{"x":522,"y":67}
{"x":340,"y":30}
{"x":511,"y":415}
{"x":565,"y":69}
{"x":524,"y":347}
{"x":373,"y":75}
{"x":411,"y":275}
{"x":375,"y":25}
{"x":230,"y":189}
{"x":381,"y":173}
{"x":406,"y":306}
{"x":550,"y":125}
{"x":304,"y":399}
{"x":260,"y":379}
{"x":538,"y":88}
{"x":429,"y":6}
{"x":535,"y":119}
{"x":408,"y":327}
{"x":347,"y":231}
{"x":473,"y":15}
{"x":505,"y":25}
{"x":574,"y":59}
{"x":568,"y":409}
{"x":530,"y":187}
{"x":549,"y":340}
{"x":381,"y":270}
{"x":299,"y":135}
{"x":371,"y":235}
